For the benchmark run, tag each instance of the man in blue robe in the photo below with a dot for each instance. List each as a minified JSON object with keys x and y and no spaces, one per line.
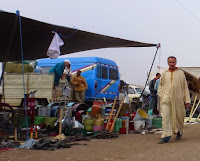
{"x":58,"y":70}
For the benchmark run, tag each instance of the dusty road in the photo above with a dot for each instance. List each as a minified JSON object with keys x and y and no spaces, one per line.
{"x":132,"y":147}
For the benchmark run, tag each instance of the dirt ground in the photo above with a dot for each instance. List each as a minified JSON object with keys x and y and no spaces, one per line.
{"x":130,"y":147}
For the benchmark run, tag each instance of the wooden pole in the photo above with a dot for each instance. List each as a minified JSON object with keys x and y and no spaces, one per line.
{"x":113,"y":125}
{"x":60,"y":123}
{"x":193,"y":107}
{"x":198,"y":117}
{"x":111,"y":113}
{"x":15,"y":132}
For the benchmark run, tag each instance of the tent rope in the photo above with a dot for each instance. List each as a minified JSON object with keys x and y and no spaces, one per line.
{"x":22,"y":55}
{"x":66,"y":37}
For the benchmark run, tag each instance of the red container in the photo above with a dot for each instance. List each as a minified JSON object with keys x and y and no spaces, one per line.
{"x":95,"y":110}
{"x":131,"y":125}
{"x":122,"y":130}
{"x":123,"y":123}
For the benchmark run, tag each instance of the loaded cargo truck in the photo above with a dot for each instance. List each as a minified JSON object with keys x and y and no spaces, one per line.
{"x":102,"y":76}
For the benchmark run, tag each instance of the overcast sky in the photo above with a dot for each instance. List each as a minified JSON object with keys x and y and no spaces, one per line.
{"x":150,"y":21}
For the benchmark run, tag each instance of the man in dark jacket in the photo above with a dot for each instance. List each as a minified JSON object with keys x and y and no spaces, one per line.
{"x":153,"y":92}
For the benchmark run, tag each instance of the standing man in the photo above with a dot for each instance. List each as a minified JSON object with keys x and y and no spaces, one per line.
{"x":158,"y":99}
{"x":80,"y":86}
{"x":58,"y":70}
{"x":153,"y":92}
{"x":174,"y":97}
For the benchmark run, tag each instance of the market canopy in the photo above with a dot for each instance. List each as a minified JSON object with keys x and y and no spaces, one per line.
{"x":37,"y":37}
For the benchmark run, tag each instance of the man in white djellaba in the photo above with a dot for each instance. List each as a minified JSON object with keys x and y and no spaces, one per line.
{"x":174,"y":97}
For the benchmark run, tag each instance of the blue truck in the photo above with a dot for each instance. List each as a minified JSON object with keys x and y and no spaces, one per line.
{"x":102,"y":75}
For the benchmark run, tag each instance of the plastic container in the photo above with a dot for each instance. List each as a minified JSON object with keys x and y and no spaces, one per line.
{"x":50,"y":121}
{"x":99,"y":121}
{"x":103,"y":111}
{"x":140,"y":115}
{"x":95,"y":110}
{"x":122,"y":130}
{"x":22,"y":121}
{"x":38,"y":120}
{"x":138,"y":124}
{"x":44,"y":111}
{"x":131,"y":125}
{"x":118,"y":124}
{"x":149,"y":120}
{"x":88,"y":125}
{"x":157,"y":122}
{"x":98,"y":128}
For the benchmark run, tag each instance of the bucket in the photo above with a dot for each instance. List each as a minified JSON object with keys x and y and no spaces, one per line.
{"x":122,"y":130}
{"x":140,"y":115}
{"x":98,"y":128}
{"x":50,"y":121}
{"x":149,"y":120}
{"x":157,"y":122}
{"x":38,"y":120}
{"x":44,"y":111}
{"x":138,"y":124}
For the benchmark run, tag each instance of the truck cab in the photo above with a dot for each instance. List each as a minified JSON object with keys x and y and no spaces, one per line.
{"x":102,"y":75}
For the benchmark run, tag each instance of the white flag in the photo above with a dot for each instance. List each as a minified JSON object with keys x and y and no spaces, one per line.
{"x":54,"y":48}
